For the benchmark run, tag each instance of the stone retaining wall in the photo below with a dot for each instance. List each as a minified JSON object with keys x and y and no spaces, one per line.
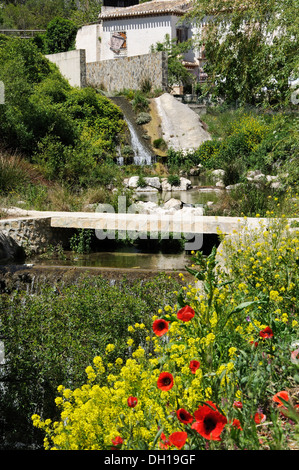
{"x":129,"y":72}
{"x":31,"y":235}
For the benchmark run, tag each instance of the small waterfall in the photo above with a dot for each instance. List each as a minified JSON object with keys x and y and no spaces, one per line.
{"x":142,"y":154}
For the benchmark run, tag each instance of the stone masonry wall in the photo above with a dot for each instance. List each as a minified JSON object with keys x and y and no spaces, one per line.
{"x":129,"y":72}
{"x":33,"y":235}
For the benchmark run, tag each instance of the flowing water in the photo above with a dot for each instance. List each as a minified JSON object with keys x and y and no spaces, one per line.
{"x":142,"y":153}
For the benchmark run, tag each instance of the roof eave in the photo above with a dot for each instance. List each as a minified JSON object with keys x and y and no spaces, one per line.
{"x":121,"y":15}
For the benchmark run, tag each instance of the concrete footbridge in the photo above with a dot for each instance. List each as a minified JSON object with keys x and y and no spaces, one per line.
{"x":178,"y":222}
{"x":38,"y":230}
{"x":174,"y":223}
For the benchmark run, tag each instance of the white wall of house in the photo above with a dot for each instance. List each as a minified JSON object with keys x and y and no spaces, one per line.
{"x":141,"y":34}
{"x":89,"y":38}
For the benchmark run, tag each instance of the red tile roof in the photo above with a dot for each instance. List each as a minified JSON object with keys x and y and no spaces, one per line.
{"x":155,"y":7}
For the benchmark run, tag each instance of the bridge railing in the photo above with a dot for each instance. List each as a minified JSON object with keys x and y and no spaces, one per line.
{"x":22,"y":33}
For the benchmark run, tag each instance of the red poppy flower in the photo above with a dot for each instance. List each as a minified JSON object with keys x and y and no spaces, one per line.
{"x":266,"y":333}
{"x":194,"y":365}
{"x":165,"y":381}
{"x":178,"y":439}
{"x":186,"y":313}
{"x":117,"y":441}
{"x":166,"y":443}
{"x":237,"y":424}
{"x":259,"y":418}
{"x":160,"y":327}
{"x":132,"y":402}
{"x":184,"y":416}
{"x":238,"y":404}
{"x":209,"y":422}
{"x":283,"y":395}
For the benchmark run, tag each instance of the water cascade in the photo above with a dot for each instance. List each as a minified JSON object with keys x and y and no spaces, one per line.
{"x":142,"y":154}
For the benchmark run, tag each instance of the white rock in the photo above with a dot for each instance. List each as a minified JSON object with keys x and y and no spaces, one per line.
{"x":146,"y":189}
{"x":218,"y":173}
{"x":153,"y":181}
{"x":185,"y":184}
{"x":233,"y":186}
{"x":252,"y":173}
{"x":173,"y":204}
{"x":133,"y":182}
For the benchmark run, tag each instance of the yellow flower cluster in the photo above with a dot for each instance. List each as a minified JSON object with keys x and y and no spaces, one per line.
{"x":200,"y":353}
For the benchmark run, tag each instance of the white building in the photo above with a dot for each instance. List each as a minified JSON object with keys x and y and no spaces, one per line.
{"x":126,"y":31}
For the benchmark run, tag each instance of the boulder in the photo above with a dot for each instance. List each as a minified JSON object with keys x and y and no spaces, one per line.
{"x":184,"y":185}
{"x":153,"y":182}
{"x":173,"y":204}
{"x":132,"y":182}
{"x":9,"y":249}
{"x":218,"y":173}
{"x":146,"y":189}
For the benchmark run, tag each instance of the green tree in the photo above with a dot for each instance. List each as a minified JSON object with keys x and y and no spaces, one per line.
{"x":86,"y":11}
{"x":61,"y":35}
{"x":251,"y":48}
{"x":33,"y":14}
{"x":177,"y":73}
{"x":68,"y":132}
{"x":36,"y":14}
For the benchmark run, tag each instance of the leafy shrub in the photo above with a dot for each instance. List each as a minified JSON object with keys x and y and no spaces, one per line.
{"x":52,"y":335}
{"x":174,"y":180}
{"x":139,"y":102}
{"x":68,"y":132}
{"x":159,"y":144}
{"x":60,"y":35}
{"x":80,"y":242}
{"x":206,"y":154}
{"x":143,"y":118}
{"x":141,"y":182}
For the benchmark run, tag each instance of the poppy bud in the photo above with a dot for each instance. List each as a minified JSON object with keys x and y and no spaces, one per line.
{"x":132,"y":402}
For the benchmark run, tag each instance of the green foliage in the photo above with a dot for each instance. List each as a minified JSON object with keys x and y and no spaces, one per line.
{"x":251,"y":51}
{"x":160,"y":144}
{"x":139,"y":103}
{"x":177,"y":73}
{"x":60,"y":35}
{"x":206,"y":154}
{"x":143,"y":118}
{"x":51,"y":338}
{"x":12,"y":174}
{"x":36,"y":14}
{"x":141,"y":182}
{"x":68,"y":132}
{"x":81,"y":242}
{"x":174,"y":180}
{"x":239,"y":326}
{"x":245,"y":141}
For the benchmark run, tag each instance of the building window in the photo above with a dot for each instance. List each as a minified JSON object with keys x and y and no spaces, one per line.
{"x":181,"y":34}
{"x":118,"y":42}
